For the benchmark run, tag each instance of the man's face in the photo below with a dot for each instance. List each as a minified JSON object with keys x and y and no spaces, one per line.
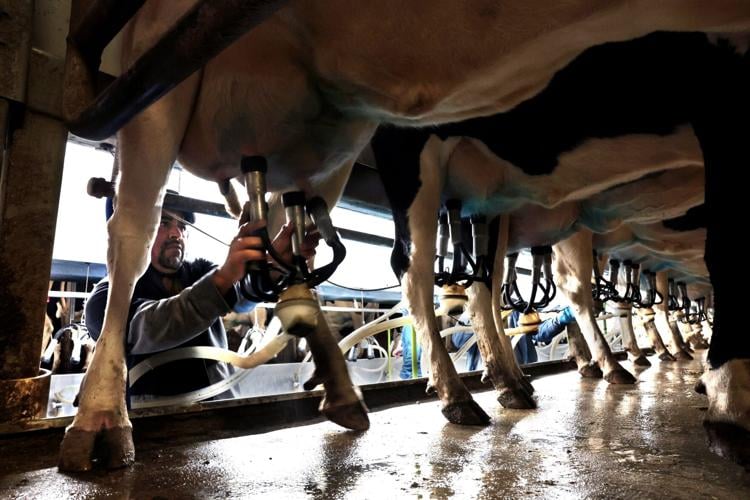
{"x":169,"y":247}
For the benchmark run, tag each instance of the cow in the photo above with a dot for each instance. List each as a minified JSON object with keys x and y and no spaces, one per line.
{"x":656,"y":196}
{"x":557,"y":148}
{"x":659,"y":247}
{"x":495,"y":185}
{"x":306,"y":91}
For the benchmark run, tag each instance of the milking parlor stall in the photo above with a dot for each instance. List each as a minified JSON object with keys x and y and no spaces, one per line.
{"x":290,"y":249}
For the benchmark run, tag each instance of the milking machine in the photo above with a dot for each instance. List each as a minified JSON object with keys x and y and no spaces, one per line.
{"x":602,"y":289}
{"x":632,"y":293}
{"x":701,"y":314}
{"x":543,"y":289}
{"x":453,"y":283}
{"x":653,"y":297}
{"x":290,"y":283}
{"x":673,"y":302}
{"x":679,"y":302}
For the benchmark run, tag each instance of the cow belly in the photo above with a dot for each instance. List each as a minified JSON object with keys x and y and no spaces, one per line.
{"x":444,"y":61}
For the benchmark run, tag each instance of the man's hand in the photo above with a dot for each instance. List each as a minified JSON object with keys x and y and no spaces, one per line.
{"x":282,"y":243}
{"x":244,"y":248}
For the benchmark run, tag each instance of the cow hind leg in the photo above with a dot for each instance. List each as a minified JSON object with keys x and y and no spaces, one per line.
{"x":629,"y":341}
{"x":458,"y":405}
{"x":722,"y":128}
{"x":681,"y":351}
{"x":342,"y":403}
{"x":659,"y":347}
{"x":513,"y":389}
{"x":147,"y":147}
{"x":573,"y":267}
{"x":579,"y":351}
{"x":516,"y":389}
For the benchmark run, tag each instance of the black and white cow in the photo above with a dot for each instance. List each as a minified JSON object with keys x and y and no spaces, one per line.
{"x":306,"y":90}
{"x":672,"y":246}
{"x":618,"y":112}
{"x":540,"y":152}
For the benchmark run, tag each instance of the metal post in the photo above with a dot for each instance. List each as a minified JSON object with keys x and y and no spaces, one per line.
{"x":27,"y":223}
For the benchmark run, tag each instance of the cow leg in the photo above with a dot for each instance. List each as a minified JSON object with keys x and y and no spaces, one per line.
{"x":147,"y":147}
{"x":101,"y":412}
{"x":579,"y":351}
{"x":698,"y":337}
{"x":518,"y":390}
{"x":684,"y":332}
{"x":653,"y":334}
{"x":458,"y":405}
{"x":577,"y":348}
{"x":342,"y":403}
{"x":510,"y":384}
{"x":573,"y":267}
{"x":663,"y":323}
{"x":675,"y":328}
{"x":722,"y":128}
{"x":628,"y":337}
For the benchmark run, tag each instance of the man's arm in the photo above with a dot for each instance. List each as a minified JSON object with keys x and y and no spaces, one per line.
{"x":95,"y":304}
{"x":551,"y":327}
{"x":156,"y":325}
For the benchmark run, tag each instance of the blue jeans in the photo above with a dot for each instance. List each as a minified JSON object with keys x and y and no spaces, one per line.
{"x":472,"y":355}
{"x":406,"y":351}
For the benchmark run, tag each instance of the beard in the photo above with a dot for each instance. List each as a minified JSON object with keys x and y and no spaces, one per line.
{"x":170,"y":257}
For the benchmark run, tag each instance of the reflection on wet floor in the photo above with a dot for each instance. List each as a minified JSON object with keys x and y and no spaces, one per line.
{"x":586,"y":439}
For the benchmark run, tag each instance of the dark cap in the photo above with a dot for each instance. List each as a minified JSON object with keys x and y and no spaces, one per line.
{"x":188,"y":216}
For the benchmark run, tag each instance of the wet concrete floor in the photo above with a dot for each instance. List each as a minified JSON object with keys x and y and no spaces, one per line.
{"x":587,"y":440}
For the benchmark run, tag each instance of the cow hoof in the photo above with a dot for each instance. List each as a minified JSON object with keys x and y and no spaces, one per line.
{"x":641,"y":360}
{"x":728,"y":391}
{"x":517,"y":399}
{"x":620,"y":376}
{"x":700,"y":387}
{"x":112,"y":447}
{"x":665,"y":356}
{"x":682,"y":355}
{"x":350,"y":416}
{"x":729,"y":441}
{"x":465,"y":413}
{"x":591,"y":370}
{"x":77,"y":450}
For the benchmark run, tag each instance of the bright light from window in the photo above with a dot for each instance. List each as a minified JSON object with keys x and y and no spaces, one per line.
{"x":82,"y":232}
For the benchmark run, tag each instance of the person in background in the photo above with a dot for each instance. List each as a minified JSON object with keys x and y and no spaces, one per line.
{"x":459,"y":339}
{"x":525,"y":350}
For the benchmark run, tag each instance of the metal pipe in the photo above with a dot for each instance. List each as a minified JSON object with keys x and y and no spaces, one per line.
{"x":479,"y":235}
{"x":443,"y":235}
{"x":454,"y":221}
{"x":294,"y":208}
{"x":254,"y":170}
